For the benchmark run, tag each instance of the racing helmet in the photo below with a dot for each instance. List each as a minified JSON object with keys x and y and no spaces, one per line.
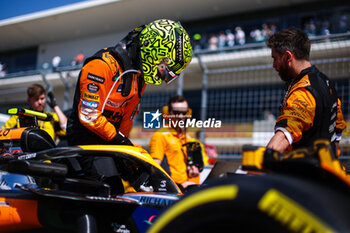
{"x":165,"y":51}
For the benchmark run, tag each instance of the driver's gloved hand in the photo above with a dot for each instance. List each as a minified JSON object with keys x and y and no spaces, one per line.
{"x":121,"y":139}
{"x":51,"y":100}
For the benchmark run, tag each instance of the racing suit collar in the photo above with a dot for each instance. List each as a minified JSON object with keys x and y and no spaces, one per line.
{"x":127,"y":52}
{"x":300,"y":76}
{"x":306,"y":71}
{"x":131,"y":44}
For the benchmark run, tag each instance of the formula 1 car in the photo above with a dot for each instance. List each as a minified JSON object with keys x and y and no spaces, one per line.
{"x":41,"y":189}
{"x":306,"y":190}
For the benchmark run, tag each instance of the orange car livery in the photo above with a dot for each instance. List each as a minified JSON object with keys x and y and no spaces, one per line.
{"x":52,"y":127}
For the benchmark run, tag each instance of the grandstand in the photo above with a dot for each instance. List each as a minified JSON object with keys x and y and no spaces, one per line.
{"x":233,"y":84}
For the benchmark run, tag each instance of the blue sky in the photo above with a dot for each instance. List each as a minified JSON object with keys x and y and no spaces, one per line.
{"x":13,"y":8}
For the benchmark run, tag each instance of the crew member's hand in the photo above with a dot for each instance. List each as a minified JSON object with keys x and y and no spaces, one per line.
{"x":121,"y":139}
{"x":51,"y":100}
{"x":187,"y":183}
{"x":192,"y":171}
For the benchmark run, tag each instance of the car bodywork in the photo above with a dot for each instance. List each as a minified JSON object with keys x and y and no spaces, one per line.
{"x":42,"y":189}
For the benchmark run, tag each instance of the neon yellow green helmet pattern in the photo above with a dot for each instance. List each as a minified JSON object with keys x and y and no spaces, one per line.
{"x":164,"y":40}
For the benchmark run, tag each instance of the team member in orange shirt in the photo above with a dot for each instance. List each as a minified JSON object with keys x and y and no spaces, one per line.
{"x":311,"y":108}
{"x":168,"y":145}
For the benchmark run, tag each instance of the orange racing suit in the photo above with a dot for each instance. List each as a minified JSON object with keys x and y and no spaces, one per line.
{"x":106,"y":100}
{"x":311,"y":110}
{"x":100,"y":112}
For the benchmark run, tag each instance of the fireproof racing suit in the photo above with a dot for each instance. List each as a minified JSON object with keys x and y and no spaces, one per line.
{"x":106,"y":100}
{"x":167,"y":146}
{"x":311,"y":110}
{"x":104,"y":107}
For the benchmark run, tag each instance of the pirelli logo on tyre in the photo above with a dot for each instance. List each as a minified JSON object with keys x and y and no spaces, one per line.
{"x":95,"y":78}
{"x":291,"y":214}
{"x":93,"y":97}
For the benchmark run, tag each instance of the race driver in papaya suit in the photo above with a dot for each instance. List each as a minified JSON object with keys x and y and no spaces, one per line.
{"x":112,"y":81}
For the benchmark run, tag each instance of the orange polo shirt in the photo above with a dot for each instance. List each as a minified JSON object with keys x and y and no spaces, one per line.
{"x":167,"y":142}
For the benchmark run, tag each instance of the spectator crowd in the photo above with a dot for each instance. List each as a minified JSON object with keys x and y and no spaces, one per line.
{"x":239,"y":35}
{"x":231,"y":37}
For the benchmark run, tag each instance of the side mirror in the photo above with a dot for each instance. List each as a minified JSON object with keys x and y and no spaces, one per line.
{"x":34,"y":140}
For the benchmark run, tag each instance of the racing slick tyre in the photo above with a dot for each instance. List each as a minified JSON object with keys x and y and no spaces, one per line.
{"x":258,"y":203}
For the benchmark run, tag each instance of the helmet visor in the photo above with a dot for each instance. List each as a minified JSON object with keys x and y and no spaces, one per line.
{"x":165,"y":73}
